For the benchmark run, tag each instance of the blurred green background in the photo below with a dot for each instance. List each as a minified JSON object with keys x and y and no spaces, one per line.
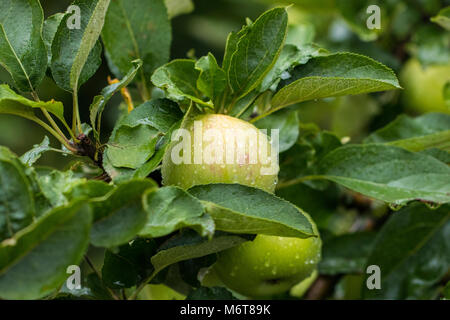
{"x":404,"y":26}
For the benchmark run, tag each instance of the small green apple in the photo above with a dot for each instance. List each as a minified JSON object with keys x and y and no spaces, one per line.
{"x":424,"y":86}
{"x":160,"y":292}
{"x":300,"y":289}
{"x":200,"y":155}
{"x":268,"y":265}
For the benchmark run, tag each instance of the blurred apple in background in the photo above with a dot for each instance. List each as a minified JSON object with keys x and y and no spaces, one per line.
{"x":424,"y":87}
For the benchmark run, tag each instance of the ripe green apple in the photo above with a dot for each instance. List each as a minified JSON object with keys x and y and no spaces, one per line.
{"x":268,"y":265}
{"x":217,"y":135}
{"x":424,"y":86}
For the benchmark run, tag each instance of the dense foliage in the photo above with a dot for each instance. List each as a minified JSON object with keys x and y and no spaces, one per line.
{"x":363,"y":180}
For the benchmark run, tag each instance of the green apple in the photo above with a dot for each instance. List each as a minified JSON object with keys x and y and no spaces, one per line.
{"x":160,"y":292}
{"x":300,"y":289}
{"x":424,"y":86}
{"x":200,"y":155}
{"x":268,"y":265}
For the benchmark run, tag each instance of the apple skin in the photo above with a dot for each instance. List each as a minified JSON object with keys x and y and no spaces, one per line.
{"x":268,"y":265}
{"x":189,"y":175}
{"x":424,"y":86}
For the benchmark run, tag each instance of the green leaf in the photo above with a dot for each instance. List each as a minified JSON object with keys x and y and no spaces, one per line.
{"x":441,"y":155}
{"x":446,"y":291}
{"x":88,"y":189}
{"x":443,"y":18}
{"x":17,"y":209}
{"x":190,"y":245}
{"x":231,"y":46}
{"x":244,"y":107}
{"x":321,"y":204}
{"x":334,"y":75}
{"x":136,"y":29}
{"x":300,"y":34}
{"x":120,"y":175}
{"x":387,"y":173}
{"x":430,"y":44}
{"x":134,"y":139}
{"x":346,"y":254}
{"x":431,"y":130}
{"x":287,"y":122}
{"x":191,"y":269}
{"x":56,"y":184}
{"x":41,"y":202}
{"x":89,"y":40}
{"x":51,"y":25}
{"x":76,"y":53}
{"x":130,"y":265}
{"x":117,"y":272}
{"x":131,"y":147}
{"x":33,"y":263}
{"x":178,"y":7}
{"x":33,"y":155}
{"x":22,"y":50}
{"x":446,"y":93}
{"x":167,"y":121}
{"x":413,"y":253}
{"x":214,"y":293}
{"x":212,"y":81}
{"x":92,"y":288}
{"x":179,"y":79}
{"x":290,"y":57}
{"x":252,"y":212}
{"x":119,"y":215}
{"x":256,"y":51}
{"x":97,"y":287}
{"x":99,"y":103}
{"x":302,"y":159}
{"x":170,"y":209}
{"x":12,"y":103}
